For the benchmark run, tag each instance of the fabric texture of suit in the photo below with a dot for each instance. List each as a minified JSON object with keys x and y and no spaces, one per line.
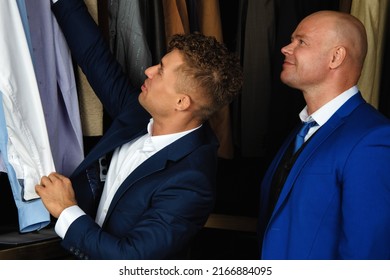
{"x":166,"y":200}
{"x":335,"y":203}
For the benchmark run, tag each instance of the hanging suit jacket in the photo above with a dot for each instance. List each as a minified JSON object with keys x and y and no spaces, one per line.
{"x":128,"y":40}
{"x":335,"y":202}
{"x":162,"y":204}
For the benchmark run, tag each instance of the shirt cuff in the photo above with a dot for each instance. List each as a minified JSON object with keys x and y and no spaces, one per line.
{"x":66,"y":218}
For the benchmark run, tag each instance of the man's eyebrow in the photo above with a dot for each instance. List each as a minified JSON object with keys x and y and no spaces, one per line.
{"x":302,"y":36}
{"x":161,"y":65}
{"x":296,"y":36}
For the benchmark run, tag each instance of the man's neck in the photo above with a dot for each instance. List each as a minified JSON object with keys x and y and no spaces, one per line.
{"x":169,"y":127}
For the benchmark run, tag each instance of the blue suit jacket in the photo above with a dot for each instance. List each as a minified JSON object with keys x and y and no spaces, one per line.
{"x":167,"y":199}
{"x":335,"y":203}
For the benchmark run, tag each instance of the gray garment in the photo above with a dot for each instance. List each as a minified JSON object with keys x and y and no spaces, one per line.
{"x":56,"y":82}
{"x":152,"y":14}
{"x":128,"y":41}
{"x":257,"y":65}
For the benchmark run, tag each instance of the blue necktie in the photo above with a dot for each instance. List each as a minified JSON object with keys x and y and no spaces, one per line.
{"x":300,"y":138}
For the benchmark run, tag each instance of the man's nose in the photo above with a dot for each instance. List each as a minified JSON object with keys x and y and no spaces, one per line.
{"x":288,"y":49}
{"x":149,"y":72}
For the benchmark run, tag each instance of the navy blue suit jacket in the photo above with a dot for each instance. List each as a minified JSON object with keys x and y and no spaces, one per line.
{"x":167,"y":199}
{"x":335,"y":203}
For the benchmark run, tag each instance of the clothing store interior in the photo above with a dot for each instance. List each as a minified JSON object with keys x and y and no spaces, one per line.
{"x":250,"y":129}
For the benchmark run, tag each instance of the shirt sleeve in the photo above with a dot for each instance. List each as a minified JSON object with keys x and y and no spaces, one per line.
{"x":66,"y":218}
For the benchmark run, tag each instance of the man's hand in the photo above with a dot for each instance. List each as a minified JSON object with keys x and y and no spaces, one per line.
{"x":56,"y":193}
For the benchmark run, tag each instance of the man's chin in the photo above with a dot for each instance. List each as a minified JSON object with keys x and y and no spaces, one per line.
{"x":284,"y":78}
{"x":288,"y":82}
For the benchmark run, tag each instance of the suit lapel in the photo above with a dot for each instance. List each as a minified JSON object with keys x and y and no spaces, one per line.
{"x":172,"y":153}
{"x":107,"y":144}
{"x":321,"y":135}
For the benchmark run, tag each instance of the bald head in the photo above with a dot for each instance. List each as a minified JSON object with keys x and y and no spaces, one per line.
{"x":347,"y":31}
{"x":325,"y":56}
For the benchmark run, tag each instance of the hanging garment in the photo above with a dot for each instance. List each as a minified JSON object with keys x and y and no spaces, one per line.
{"x":128,"y":40}
{"x":91,"y":109}
{"x":210,"y":24}
{"x":152,"y":14}
{"x":257,"y":64}
{"x":57,"y":87}
{"x":384,"y":98}
{"x":373,"y":14}
{"x":27,"y":147}
{"x":176,"y":18}
{"x":32,"y":215}
{"x":23,"y":16}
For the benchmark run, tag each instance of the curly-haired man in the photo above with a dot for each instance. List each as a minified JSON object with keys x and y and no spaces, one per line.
{"x":162,"y":154}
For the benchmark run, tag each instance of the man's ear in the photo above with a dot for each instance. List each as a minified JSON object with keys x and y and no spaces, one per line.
{"x":338,"y":56}
{"x":183,"y":102}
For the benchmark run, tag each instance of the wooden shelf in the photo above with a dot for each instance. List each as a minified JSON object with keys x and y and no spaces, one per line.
{"x":42,"y":245}
{"x":231,"y":222}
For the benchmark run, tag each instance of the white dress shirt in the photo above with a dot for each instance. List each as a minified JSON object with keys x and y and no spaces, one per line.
{"x":323,"y":114}
{"x":124,"y":161}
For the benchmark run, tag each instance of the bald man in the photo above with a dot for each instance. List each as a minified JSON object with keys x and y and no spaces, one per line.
{"x":330,"y":197}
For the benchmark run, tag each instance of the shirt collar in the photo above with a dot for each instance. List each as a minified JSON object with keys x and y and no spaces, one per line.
{"x":153,"y":143}
{"x":323,"y":114}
